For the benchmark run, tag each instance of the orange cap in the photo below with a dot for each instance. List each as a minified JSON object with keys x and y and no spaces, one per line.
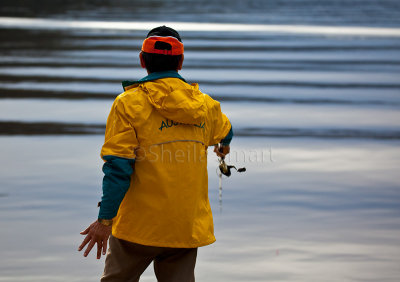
{"x":149,"y":45}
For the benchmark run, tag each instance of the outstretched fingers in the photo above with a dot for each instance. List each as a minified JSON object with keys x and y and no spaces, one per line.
{"x":86,"y":231}
{"x":89,"y":247}
{"x":105,"y":246}
{"x":85,"y":241}
{"x":99,"y":247}
{"x":98,"y":234}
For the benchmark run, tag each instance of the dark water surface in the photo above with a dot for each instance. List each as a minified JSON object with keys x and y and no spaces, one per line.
{"x":317,"y":12}
{"x":316,"y":119}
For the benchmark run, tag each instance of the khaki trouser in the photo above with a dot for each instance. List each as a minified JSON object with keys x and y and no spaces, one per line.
{"x":126,"y":261}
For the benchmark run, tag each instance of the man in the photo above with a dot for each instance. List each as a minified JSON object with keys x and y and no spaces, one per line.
{"x":155,"y":187}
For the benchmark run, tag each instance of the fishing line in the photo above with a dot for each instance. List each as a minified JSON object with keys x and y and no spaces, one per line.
{"x":225,"y":169}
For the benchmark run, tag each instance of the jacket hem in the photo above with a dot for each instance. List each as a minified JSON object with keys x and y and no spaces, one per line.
{"x":162,"y":244}
{"x":118,"y":156}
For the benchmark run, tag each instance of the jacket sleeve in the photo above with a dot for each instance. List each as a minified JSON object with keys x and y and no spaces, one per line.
{"x":118,"y":154}
{"x":219,"y":122}
{"x":116,"y":182}
{"x":228,"y":138}
{"x":120,"y":137}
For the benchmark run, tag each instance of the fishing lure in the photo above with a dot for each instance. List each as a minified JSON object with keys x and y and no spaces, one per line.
{"x":225,"y":169}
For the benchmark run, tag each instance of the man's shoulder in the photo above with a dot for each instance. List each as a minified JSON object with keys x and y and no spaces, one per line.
{"x":133,"y":95}
{"x":211,"y":102}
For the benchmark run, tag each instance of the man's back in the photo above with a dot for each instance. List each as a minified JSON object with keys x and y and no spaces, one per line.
{"x":173,"y":123}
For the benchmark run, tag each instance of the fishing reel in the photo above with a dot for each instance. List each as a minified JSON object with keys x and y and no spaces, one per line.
{"x":226,"y":169}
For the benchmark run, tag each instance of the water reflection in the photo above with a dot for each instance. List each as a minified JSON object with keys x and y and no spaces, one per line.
{"x":321,"y":209}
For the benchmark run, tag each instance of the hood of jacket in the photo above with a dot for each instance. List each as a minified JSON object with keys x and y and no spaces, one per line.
{"x":176,"y":100}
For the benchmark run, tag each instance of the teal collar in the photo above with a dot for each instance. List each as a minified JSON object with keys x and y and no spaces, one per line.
{"x":153,"y":76}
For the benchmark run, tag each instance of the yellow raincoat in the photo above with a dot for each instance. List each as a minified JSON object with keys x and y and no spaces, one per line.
{"x":166,"y":125}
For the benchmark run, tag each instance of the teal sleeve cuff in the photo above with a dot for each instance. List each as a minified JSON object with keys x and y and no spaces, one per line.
{"x":228,"y":138}
{"x":116,"y":182}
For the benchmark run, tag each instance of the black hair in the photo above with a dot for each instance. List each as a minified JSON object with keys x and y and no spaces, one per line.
{"x":159,"y":62}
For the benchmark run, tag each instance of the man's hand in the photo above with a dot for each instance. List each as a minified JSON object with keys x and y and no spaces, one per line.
{"x":95,"y":233}
{"x":221,"y":150}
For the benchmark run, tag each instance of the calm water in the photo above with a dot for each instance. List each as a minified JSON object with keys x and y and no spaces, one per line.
{"x":316,"y":118}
